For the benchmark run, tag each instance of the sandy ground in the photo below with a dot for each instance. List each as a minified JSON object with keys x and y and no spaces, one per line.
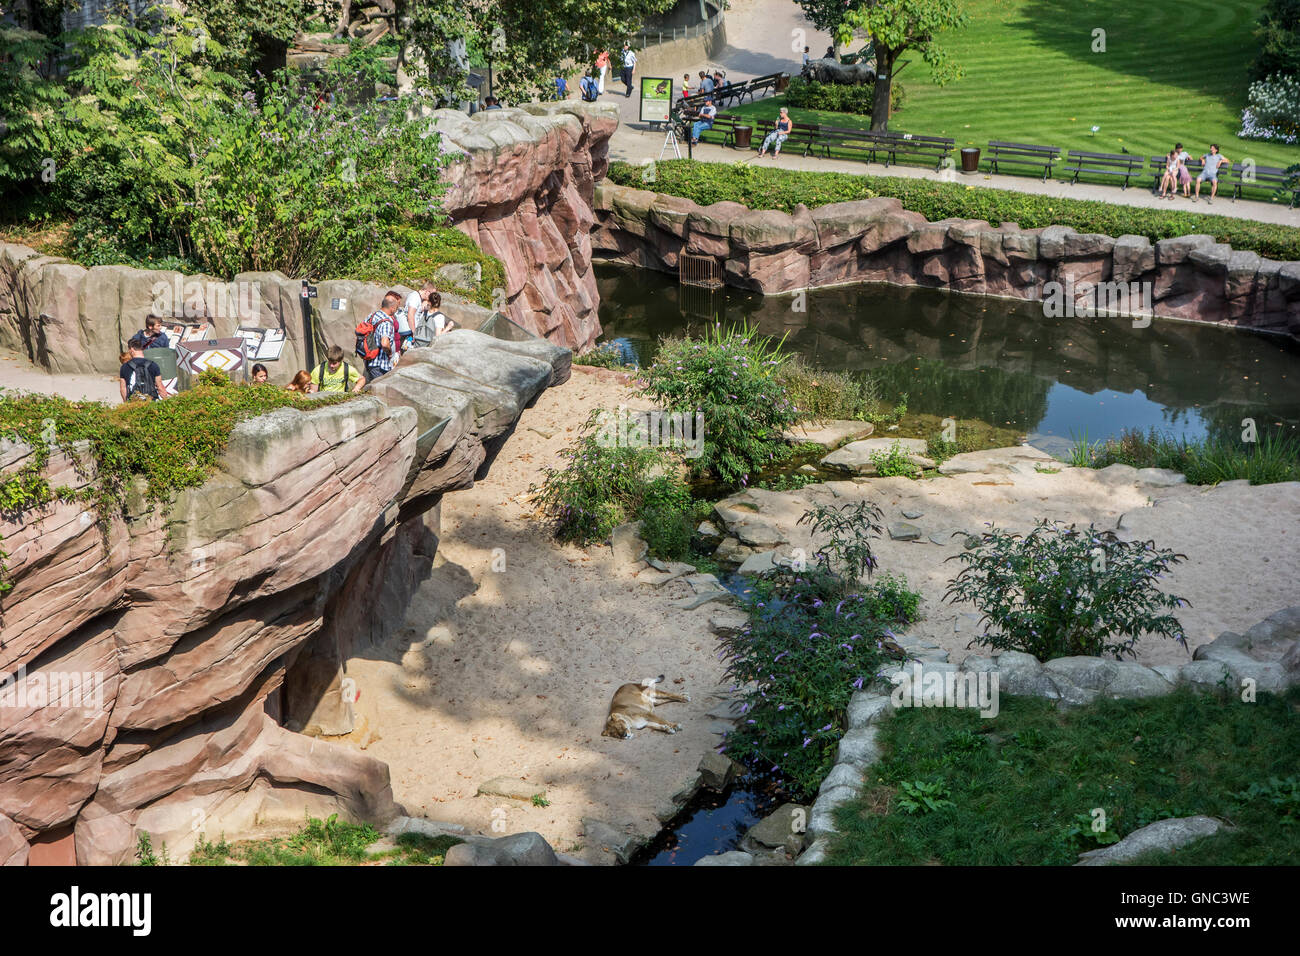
{"x":517,"y":680}
{"x":18,"y":374}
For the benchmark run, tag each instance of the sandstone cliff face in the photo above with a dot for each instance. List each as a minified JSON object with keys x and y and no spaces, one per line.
{"x":876,"y":240}
{"x":522,"y":189}
{"x":176,"y":650}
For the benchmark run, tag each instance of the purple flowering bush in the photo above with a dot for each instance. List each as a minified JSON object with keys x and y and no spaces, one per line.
{"x":813,"y":638}
{"x":729,"y":377}
{"x":1059,"y":591}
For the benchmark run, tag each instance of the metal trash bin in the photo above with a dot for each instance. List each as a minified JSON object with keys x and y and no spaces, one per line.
{"x":744,"y":136}
{"x":782,"y":83}
{"x":970,"y":159}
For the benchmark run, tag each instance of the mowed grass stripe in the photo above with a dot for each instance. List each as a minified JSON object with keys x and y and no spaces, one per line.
{"x":1169,"y":73}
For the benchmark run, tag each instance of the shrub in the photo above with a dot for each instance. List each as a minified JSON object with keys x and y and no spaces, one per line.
{"x":773,"y":188}
{"x":603,"y":485}
{"x":604,"y":355}
{"x":894,"y":463}
{"x":730,"y":378}
{"x":1273,"y":458}
{"x":820,"y":395}
{"x":1273,"y":110}
{"x":813,"y":638}
{"x":666,"y":514}
{"x":1279,"y":39}
{"x":1059,"y":592}
{"x":839,"y":97}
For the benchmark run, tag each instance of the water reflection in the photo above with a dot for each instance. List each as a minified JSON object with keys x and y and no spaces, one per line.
{"x":997,"y":360}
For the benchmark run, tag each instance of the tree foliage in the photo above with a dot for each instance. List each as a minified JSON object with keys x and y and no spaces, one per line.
{"x":1279,"y":40}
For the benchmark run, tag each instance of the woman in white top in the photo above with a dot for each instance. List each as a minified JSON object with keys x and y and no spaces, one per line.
{"x":409,"y":315}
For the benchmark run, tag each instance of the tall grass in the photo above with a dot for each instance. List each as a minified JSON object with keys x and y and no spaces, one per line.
{"x":1273,"y":458}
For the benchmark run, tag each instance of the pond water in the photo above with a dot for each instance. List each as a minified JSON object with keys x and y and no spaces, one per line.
{"x":996,"y":360}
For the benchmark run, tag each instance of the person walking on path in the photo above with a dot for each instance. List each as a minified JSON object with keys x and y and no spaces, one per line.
{"x":779,"y":132}
{"x":385,"y":337}
{"x":1210,"y":164}
{"x":602,"y":64}
{"x":629,"y":65}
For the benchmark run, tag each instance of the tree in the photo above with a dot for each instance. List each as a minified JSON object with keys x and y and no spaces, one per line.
{"x":829,"y":14}
{"x":900,"y":25}
{"x":1279,"y":40}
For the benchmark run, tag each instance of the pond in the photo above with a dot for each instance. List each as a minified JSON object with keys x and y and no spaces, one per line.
{"x":997,"y":360}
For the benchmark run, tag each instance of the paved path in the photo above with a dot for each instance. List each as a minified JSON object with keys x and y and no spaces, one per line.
{"x":761,"y":39}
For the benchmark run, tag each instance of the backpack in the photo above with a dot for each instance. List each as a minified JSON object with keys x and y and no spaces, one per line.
{"x":368,"y":344}
{"x":426,"y":327}
{"x":140,"y":386}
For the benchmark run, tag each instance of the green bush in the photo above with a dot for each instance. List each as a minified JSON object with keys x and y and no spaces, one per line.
{"x":730,"y":378}
{"x":820,"y":395}
{"x":839,"y":97}
{"x":666,"y":515}
{"x":894,"y":463}
{"x":1273,"y":458}
{"x":813,"y":637}
{"x":604,"y":355}
{"x":765,"y":187}
{"x":606,"y":483}
{"x":1061,"y":592}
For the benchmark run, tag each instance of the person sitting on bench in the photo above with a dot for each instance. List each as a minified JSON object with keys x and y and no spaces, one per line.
{"x":779,"y":132}
{"x":707,"y":112}
{"x":1210,"y":164}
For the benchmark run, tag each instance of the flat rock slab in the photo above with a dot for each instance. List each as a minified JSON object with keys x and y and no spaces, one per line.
{"x":785,"y":827}
{"x":829,"y":434}
{"x":511,"y":787}
{"x":611,"y":839}
{"x":699,"y":600}
{"x":998,"y":461}
{"x":1161,"y":476}
{"x":913,"y":515}
{"x":1164,"y":835}
{"x":518,"y":849}
{"x":855,"y":458}
{"x":905,"y":531}
{"x":701,"y":583}
{"x":730,"y":858}
{"x":728,"y":623}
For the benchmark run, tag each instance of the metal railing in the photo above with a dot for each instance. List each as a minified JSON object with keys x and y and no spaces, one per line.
{"x":701,"y":271}
{"x":645,"y":38}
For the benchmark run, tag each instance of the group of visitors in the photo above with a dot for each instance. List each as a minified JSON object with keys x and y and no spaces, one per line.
{"x":1177,"y":173}
{"x":400,"y":322}
{"x":712,"y":83}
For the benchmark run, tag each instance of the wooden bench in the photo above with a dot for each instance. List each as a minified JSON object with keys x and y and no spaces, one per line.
{"x":848,"y":140}
{"x":1025,"y":154}
{"x":1157,"y":170}
{"x":894,"y":144}
{"x":801,"y":134}
{"x":1124,"y":166}
{"x":1270,"y":178}
{"x":724,"y":124}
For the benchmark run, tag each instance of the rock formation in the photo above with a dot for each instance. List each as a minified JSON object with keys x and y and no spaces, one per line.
{"x":155,"y":669}
{"x":876,"y":240}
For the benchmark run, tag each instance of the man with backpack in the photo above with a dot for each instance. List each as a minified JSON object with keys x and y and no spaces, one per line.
{"x":589,"y":88}
{"x":155,"y":336}
{"x":377,"y":338}
{"x":335,"y":374}
{"x":140,"y":379}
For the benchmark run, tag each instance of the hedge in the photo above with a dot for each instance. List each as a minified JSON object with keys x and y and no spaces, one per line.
{"x":766,"y":187}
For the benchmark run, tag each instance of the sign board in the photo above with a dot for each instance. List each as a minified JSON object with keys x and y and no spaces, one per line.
{"x":261,"y":345}
{"x":656,"y":99}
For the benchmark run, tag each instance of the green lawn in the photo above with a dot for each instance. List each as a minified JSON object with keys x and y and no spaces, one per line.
{"x":1021,"y":788}
{"x":1171,"y":72}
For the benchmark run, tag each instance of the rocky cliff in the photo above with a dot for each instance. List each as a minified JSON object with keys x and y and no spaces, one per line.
{"x":155,"y":669}
{"x":876,"y":240}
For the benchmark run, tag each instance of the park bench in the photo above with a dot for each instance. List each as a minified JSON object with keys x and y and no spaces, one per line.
{"x":1270,"y":178}
{"x":1124,"y":166}
{"x":1025,"y":154}
{"x":847,"y":140}
{"x":724,"y":124}
{"x":894,"y":144}
{"x":801,"y":134}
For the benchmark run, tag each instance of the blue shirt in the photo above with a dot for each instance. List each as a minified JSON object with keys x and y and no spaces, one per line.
{"x":384,"y":329}
{"x":706,"y":85}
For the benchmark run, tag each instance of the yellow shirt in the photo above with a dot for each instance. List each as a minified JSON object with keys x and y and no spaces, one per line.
{"x":340,"y":380}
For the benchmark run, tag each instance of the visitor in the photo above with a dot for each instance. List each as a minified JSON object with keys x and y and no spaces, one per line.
{"x":413,"y":311}
{"x":1210,"y":164}
{"x":602,"y":64}
{"x":260,"y":374}
{"x":720,"y":85}
{"x":302,"y":383}
{"x":155,"y":336}
{"x":433,"y":322}
{"x":561,"y":88}
{"x":491,"y":103}
{"x":686,"y":85}
{"x":779,"y":132}
{"x":706,"y":83}
{"x":1169,"y":182}
{"x":1184,"y":174}
{"x":336,"y":374}
{"x":806,"y":58}
{"x":385,"y":330}
{"x":140,"y":379}
{"x":707,"y":112}
{"x":629,"y":65}
{"x":830,"y":52}
{"x":588,"y":88}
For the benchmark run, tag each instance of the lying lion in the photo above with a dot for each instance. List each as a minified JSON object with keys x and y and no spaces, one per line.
{"x":633,"y":708}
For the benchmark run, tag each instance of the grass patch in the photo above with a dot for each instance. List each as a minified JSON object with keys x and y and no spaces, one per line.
{"x":1031,"y":76}
{"x":331,"y":842}
{"x":426,"y":249}
{"x":771,"y":187}
{"x":1022,"y":784}
{"x":1274,"y":457}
